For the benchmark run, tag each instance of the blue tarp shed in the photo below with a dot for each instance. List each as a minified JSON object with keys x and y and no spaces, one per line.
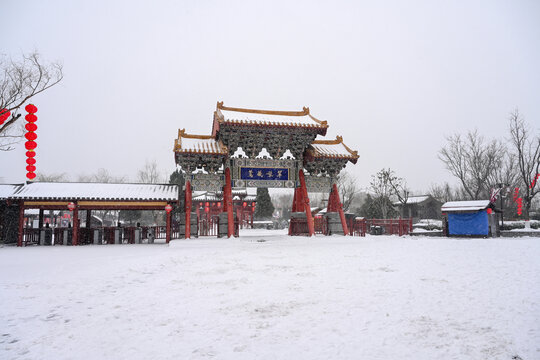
{"x":468,"y":218}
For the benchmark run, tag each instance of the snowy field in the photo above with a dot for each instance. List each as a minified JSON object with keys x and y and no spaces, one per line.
{"x":269,"y":296}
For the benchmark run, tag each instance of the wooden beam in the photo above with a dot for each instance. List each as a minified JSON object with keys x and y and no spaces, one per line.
{"x":75,"y":236}
{"x":20,"y":235}
{"x":188,"y":205}
{"x":307,"y":206}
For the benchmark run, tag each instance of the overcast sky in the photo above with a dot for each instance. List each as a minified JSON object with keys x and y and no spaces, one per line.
{"x":392,"y":77}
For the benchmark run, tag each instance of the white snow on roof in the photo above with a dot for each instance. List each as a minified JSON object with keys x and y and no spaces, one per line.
{"x":200,"y":145}
{"x":6,"y":190}
{"x":414,"y":200}
{"x":270,"y":119}
{"x":472,"y":205}
{"x":332,"y":149}
{"x":97,"y":191}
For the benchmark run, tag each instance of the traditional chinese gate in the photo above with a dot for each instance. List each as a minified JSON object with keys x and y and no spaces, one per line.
{"x":293,"y":158}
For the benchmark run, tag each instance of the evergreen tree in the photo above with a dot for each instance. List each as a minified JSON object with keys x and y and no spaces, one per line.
{"x":264,"y":208}
{"x":130,"y":216}
{"x":177,"y":178}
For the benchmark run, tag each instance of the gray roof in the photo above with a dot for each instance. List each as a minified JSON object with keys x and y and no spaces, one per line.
{"x":95,"y":191}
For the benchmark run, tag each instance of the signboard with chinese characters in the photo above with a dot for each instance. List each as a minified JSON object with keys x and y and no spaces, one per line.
{"x":264,"y":173}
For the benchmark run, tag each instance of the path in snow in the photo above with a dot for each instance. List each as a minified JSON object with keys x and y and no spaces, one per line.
{"x":274,"y":297}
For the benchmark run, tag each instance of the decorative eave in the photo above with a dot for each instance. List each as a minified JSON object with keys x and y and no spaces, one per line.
{"x":219,"y":119}
{"x":315,"y":150}
{"x":207,"y":145}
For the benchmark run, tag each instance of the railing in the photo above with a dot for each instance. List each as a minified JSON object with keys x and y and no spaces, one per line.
{"x":31,"y":236}
{"x":320,"y":225}
{"x":391,"y":226}
{"x":358,"y":227}
{"x":209,"y":227}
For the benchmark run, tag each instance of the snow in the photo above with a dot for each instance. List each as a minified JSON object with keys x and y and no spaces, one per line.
{"x":472,"y":205}
{"x":303,"y":120}
{"x":414,"y":199}
{"x":332,"y":149}
{"x":94,"y":191}
{"x":269,"y":296}
{"x":200,"y":145}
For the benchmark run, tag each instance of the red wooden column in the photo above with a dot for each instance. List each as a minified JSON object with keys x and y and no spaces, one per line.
{"x":339,"y":206}
{"x":188,"y":209}
{"x":294,"y":207}
{"x":227,"y":197}
{"x":168,"y":230}
{"x":75,"y":238}
{"x":307,"y":207}
{"x":21,"y":224}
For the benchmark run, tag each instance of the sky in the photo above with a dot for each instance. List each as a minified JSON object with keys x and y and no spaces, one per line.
{"x":394,"y":78}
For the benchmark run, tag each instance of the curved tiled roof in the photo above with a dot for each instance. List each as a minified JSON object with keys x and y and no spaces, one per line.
{"x":241,"y":116}
{"x":333,"y":149}
{"x":203,"y":144}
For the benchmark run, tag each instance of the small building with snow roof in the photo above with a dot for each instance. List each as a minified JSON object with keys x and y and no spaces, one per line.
{"x":470,"y":218}
{"x":420,"y":207}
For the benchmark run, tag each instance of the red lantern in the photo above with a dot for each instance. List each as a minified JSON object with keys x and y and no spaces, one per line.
{"x":218,"y":204}
{"x":489,"y":211}
{"x":207,"y":204}
{"x":31,"y":108}
{"x":206,"y":209}
{"x":30,"y":161}
{"x":30,"y":175}
{"x":30,"y":136}
{"x":30,"y":145}
{"x":30,"y":153}
{"x":31,"y":168}
{"x":253,"y":203}
{"x":31,"y":118}
{"x":30,"y":127}
{"x":244,"y":204}
{"x":168,"y":208}
{"x":71,"y":206}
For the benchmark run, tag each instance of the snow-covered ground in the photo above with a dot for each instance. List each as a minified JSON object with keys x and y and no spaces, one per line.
{"x":269,"y":296}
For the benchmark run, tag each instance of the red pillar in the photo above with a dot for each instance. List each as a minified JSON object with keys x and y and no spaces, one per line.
{"x":188,"y":209}
{"x":340,"y":210}
{"x":21,"y":225}
{"x":168,"y":229}
{"x":307,"y":207}
{"x":75,"y":238}
{"x":227,"y":197}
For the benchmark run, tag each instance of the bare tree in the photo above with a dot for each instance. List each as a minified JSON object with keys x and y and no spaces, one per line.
{"x":347,"y":189}
{"x":526,"y":148}
{"x":101,"y":176}
{"x":150,"y":174}
{"x":444,"y":192}
{"x":19,"y":82}
{"x":382,"y":189}
{"x":55,"y":177}
{"x":473,"y":161}
{"x":399,"y":190}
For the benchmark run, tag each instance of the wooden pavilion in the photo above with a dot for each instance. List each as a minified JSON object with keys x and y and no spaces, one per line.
{"x":89,"y":197}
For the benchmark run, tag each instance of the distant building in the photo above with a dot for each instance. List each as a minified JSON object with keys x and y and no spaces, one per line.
{"x":420,"y":207}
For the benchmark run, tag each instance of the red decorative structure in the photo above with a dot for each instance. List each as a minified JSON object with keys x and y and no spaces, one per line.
{"x":335,"y":205}
{"x":168,"y":209}
{"x":228,"y":204}
{"x":188,"y":209}
{"x":30,"y":136}
{"x":4,"y":115}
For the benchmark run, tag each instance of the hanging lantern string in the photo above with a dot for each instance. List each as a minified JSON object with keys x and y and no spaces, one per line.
{"x":30,"y":143}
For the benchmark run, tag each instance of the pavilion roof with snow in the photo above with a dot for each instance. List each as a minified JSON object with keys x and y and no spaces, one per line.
{"x":252,"y":130}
